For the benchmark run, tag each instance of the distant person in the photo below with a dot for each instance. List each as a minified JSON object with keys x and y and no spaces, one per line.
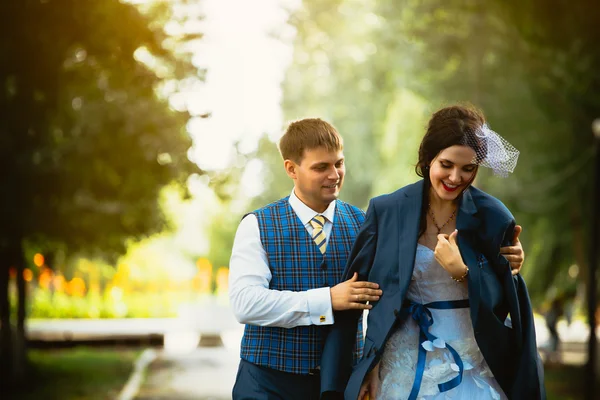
{"x":435,"y":248}
{"x":555,"y":311}
{"x":569,"y":306}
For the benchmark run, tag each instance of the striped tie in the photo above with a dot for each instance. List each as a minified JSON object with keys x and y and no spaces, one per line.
{"x":318,"y":222}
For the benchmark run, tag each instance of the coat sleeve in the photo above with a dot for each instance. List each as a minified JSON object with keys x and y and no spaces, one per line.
{"x":529,"y":374}
{"x":336,"y":361}
{"x":528,"y":370}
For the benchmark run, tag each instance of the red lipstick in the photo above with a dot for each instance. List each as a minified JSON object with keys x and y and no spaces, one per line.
{"x":449,"y":189}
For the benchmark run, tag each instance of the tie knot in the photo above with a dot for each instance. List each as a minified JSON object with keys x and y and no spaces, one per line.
{"x":318,"y":222}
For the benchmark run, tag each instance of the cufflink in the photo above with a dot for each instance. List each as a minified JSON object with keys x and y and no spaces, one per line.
{"x":322,"y":318}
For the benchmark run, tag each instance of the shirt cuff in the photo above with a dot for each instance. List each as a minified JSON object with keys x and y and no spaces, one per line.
{"x":319,"y":306}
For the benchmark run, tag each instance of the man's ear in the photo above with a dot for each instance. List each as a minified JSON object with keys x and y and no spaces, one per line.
{"x":290,"y":168}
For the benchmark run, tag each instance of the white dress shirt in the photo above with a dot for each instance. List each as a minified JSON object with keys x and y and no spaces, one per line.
{"x":252,"y":301}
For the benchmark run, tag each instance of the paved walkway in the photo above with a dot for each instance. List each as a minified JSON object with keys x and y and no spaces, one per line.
{"x":203,"y":373}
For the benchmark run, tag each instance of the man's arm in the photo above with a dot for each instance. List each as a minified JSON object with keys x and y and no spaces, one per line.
{"x":251,"y":299}
{"x":255,"y":304}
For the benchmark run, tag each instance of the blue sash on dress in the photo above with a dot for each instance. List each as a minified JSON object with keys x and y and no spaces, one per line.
{"x":422,"y":315}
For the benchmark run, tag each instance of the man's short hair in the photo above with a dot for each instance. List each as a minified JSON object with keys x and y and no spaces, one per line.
{"x":308,"y":134}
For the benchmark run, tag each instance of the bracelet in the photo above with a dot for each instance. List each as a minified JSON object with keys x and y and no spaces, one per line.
{"x":462,"y":278}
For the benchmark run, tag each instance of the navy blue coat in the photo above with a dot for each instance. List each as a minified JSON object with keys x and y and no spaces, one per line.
{"x":384,"y":252}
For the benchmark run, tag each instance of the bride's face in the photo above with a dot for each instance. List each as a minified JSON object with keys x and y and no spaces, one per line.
{"x":452,"y":171}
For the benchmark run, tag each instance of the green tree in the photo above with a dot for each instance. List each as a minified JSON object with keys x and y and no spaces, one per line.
{"x":332,"y":77}
{"x":561,"y":58}
{"x":86,"y":141}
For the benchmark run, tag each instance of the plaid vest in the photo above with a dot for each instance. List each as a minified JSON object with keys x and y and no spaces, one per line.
{"x":297,"y":264}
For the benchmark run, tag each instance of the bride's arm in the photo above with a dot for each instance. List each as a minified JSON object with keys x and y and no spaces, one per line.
{"x":370,"y":386}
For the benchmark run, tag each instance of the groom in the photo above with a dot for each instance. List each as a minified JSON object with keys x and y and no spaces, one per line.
{"x":286,"y":266}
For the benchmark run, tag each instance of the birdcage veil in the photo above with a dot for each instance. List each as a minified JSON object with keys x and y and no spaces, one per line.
{"x":492,"y":150}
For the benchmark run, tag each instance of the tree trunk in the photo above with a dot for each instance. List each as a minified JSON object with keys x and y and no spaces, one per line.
{"x":19,"y":345}
{"x":579,"y":243}
{"x":6,"y":358}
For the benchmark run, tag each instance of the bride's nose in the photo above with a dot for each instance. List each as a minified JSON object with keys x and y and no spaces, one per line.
{"x":455,"y":176}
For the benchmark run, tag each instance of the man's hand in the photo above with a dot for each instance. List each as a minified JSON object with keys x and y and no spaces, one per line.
{"x":352,"y":294}
{"x":514,"y":254}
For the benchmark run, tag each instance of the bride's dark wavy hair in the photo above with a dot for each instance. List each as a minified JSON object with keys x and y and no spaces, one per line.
{"x":450,"y":126}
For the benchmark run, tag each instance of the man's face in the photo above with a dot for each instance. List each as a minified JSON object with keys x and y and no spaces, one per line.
{"x":318,"y":178}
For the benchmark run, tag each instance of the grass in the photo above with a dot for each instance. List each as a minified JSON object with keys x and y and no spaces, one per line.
{"x":566,"y":382}
{"x":77,"y":374}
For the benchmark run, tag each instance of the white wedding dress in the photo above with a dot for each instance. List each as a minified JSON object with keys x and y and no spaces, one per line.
{"x":430,"y":282}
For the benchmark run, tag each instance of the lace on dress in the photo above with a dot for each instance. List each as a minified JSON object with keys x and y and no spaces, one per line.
{"x":398,"y":368}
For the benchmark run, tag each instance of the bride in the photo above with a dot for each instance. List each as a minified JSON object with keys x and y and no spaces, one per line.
{"x":441,"y":331}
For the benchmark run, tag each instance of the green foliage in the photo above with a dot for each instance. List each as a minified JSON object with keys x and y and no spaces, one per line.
{"x":222,"y":229}
{"x":561,"y":59}
{"x":88,"y":139}
{"x":332,"y":77}
{"x":47,"y":305}
{"x":276,"y":182}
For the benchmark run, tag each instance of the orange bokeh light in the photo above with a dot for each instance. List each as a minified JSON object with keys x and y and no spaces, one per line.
{"x":59,"y":283}
{"x":76,"y":287}
{"x":38,"y":260}
{"x":45,"y":278}
{"x":27,"y":275}
{"x":222,"y":279}
{"x":203,"y":264}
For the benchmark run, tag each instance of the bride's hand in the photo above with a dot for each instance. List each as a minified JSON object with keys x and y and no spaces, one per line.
{"x":370,"y":386}
{"x":448,"y":255}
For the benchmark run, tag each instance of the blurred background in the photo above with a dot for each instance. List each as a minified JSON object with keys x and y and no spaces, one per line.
{"x":135,"y":134}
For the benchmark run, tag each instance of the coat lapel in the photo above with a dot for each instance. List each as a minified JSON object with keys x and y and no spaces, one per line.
{"x":409,"y":213}
{"x":467,"y":223}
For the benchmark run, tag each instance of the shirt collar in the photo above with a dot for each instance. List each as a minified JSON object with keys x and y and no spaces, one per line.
{"x":305,"y":213}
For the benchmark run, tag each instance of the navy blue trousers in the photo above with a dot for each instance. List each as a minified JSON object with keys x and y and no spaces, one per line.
{"x":255,"y":382}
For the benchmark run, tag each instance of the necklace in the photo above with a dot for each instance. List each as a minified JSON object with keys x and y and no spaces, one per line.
{"x":439,"y":228}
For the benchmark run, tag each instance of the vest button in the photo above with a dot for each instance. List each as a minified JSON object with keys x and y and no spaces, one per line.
{"x":323,"y":265}
{"x":396,"y":312}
